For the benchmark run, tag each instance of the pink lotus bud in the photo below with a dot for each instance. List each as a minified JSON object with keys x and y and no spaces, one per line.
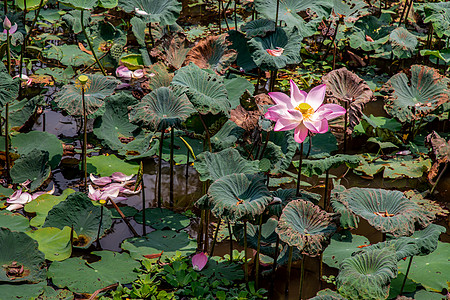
{"x":199,"y":261}
{"x":6,"y":23}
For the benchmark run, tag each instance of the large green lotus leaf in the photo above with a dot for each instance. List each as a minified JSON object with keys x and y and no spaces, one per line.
{"x":342,"y":246}
{"x":164,"y":12}
{"x":402,"y":247}
{"x":327,"y":294}
{"x":223,"y":270}
{"x":9,"y":88}
{"x":386,"y":210}
{"x":350,"y":9}
{"x":97,"y":89}
{"x":24,"y":143}
{"x":14,"y":221}
{"x":227,"y":136}
{"x":367,"y":275}
{"x":60,"y":294}
{"x":59,"y":75}
{"x":53,"y":242}
{"x":142,"y":147}
{"x":427,"y":239}
{"x":286,"y":143}
{"x":268,"y":236}
{"x":161,"y":218}
{"x":33,"y":166}
{"x":78,"y":211}
{"x":409,"y":100}
{"x":69,"y":55}
{"x":212,"y":166}
{"x":81,"y":4}
{"x":259,"y":27}
{"x":239,"y":196}
{"x":162,"y":108}
{"x":283,"y":256}
{"x":42,"y":205}
{"x":381,"y":129}
{"x":87,"y":277}
{"x":239,"y":43}
{"x":206,"y":91}
{"x":370,"y":32}
{"x":286,"y":196}
{"x":443,"y":54}
{"x":439,"y":15}
{"x":166,"y":241}
{"x":138,"y":27}
{"x":403,"y":42}
{"x":31,"y":4}
{"x":73,"y":19}
{"x":103,"y":165}
{"x":161,"y":78}
{"x":22,"y":291}
{"x":21,"y":111}
{"x":320,"y":166}
{"x":431,"y":271}
{"x":236,"y":87}
{"x":305,"y":226}
{"x":425,"y":295}
{"x":348,"y":220}
{"x":180,"y":150}
{"x":5,"y":192}
{"x":102,"y":33}
{"x":19,"y":247}
{"x":289,"y":40}
{"x":397,"y":167}
{"x":289,"y":12}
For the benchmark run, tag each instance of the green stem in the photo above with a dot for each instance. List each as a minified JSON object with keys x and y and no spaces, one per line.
{"x":286,"y":289}
{"x":216,"y":233}
{"x":274,"y":266}
{"x":320,"y":270}
{"x":124,"y":218}
{"x":276,"y":13}
{"x":265,"y":145}
{"x":302,"y":275}
{"x":299,"y":176}
{"x":325,"y":193}
{"x":406,"y":275}
{"x":84,"y":139}
{"x":230,"y":233}
{"x":161,"y":140}
{"x":22,"y":51}
{"x":90,"y":44}
{"x":8,"y":165}
{"x":258,"y":248}
{"x":345,"y":125}
{"x":219,"y":20}
{"x":100,"y":226}
{"x":5,"y":6}
{"x":208,"y":136}
{"x":144,"y":229}
{"x":8,"y":52}
{"x":235,"y":15}
{"x":439,"y":178}
{"x":245,"y":252}
{"x":172,"y":142}
{"x":187,"y":173}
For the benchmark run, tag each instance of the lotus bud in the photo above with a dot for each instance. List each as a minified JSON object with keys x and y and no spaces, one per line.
{"x":199,"y":261}
{"x":6,"y":23}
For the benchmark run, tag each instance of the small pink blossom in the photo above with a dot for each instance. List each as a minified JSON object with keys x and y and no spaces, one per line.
{"x":7,"y":26}
{"x":302,"y":111}
{"x":120,"y":177}
{"x":19,"y":198}
{"x":123,"y":72}
{"x":277,"y":52}
{"x":199,"y":261}
{"x":105,"y":194}
{"x":100,"y":181}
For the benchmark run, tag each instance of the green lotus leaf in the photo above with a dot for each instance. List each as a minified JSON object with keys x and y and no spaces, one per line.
{"x":402,"y":247}
{"x":73,"y":19}
{"x":289,"y":12}
{"x":5,"y":192}
{"x":350,"y":9}
{"x":31,"y":4}
{"x":305,"y":226}
{"x":239,"y":43}
{"x":439,"y":15}
{"x":380,"y":128}
{"x":78,"y":211}
{"x":103,"y":165}
{"x":345,"y":86}
{"x":268,"y":236}
{"x":289,"y":40}
{"x":286,"y":196}
{"x":212,"y":166}
{"x":166,"y":241}
{"x":138,"y":27}
{"x":410,"y":100}
{"x":431,"y":271}
{"x":259,"y":27}
{"x":97,"y":89}
{"x":23,"y":291}
{"x":19,"y":247}
{"x":164,"y":12}
{"x":396,"y":285}
{"x":161,"y":218}
{"x":145,"y":145}
{"x":236,"y":86}
{"x":343,"y":245}
{"x":427,"y":239}
{"x":206,"y":91}
{"x":53,"y":242}
{"x":132,"y":61}
{"x":87,"y":277}
{"x":367,"y":275}
{"x":33,"y":166}
{"x":227,"y":136}
{"x":81,"y":4}
{"x":347,"y":219}
{"x":403,"y":42}
{"x":320,"y":166}
{"x":370,"y":32}
{"x":42,"y":205}
{"x":387,"y":211}
{"x":162,"y":108}
{"x":425,"y":295}
{"x":327,"y":294}
{"x":102,"y":33}
{"x":24,"y":143}
{"x":14,"y":221}
{"x":59,"y":75}
{"x":69,"y":55}
{"x":220,"y":270}
{"x":443,"y":54}
{"x":60,"y":294}
{"x":238,"y":196}
{"x":22,"y":111}
{"x":9,"y":88}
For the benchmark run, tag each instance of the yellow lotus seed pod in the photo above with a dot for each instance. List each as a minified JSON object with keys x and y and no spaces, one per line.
{"x":83,"y":79}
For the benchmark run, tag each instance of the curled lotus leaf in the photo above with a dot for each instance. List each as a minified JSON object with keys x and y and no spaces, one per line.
{"x":367,"y":275}
{"x":97,"y":88}
{"x":305,"y":226}
{"x":164,"y":12}
{"x":320,"y":166}
{"x":212,"y":166}
{"x":441,"y":152}
{"x":162,"y":108}
{"x":9,"y":88}
{"x":403,"y":42}
{"x":287,"y":39}
{"x":212,"y":53}
{"x":239,"y":43}
{"x":401,"y":247}
{"x":439,"y":15}
{"x":347,"y":218}
{"x":283,"y":196}
{"x":342,"y":245}
{"x":204,"y":202}
{"x":409,"y":100}
{"x":33,"y":166}
{"x":345,"y":86}
{"x":238,"y":196}
{"x":427,"y":239}
{"x":386,"y":210}
{"x":259,"y":27}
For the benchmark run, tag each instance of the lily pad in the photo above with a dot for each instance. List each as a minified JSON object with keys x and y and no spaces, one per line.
{"x":165,"y":12}
{"x":53,"y":242}
{"x":103,"y":165}
{"x":259,"y":27}
{"x":14,"y":221}
{"x":161,"y":218}
{"x":320,"y":166}
{"x":370,"y":32}
{"x":397,"y":167}
{"x":31,"y":166}
{"x":9,"y":88}
{"x":342,"y":246}
{"x":22,"y":291}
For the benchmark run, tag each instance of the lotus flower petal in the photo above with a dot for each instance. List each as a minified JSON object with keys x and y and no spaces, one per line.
{"x":199,"y":261}
{"x":138,"y":73}
{"x":123,"y":72}
{"x":19,"y":197}
{"x":120,"y":177}
{"x":14,"y":206}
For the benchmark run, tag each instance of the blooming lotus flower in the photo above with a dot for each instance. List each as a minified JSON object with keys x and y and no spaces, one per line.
{"x":19,"y":198}
{"x":120,"y":177}
{"x":124,"y":72}
{"x":302,"y":111}
{"x":276,"y":52}
{"x":199,"y":261}
{"x":105,"y":194}
{"x":100,"y":181}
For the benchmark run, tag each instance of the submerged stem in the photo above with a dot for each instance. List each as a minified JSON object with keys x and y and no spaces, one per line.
{"x":258,"y":248}
{"x":172,"y":137}
{"x":299,"y":176}
{"x":90,"y":44}
{"x":161,"y":140}
{"x":286,"y":289}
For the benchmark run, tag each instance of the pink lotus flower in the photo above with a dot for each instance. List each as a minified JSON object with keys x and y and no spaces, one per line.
{"x":120,"y":177}
{"x":99,"y":180}
{"x":24,"y":78}
{"x":302,"y":111}
{"x":276,"y":52}
{"x":7,"y":26}
{"x":124,"y":72}
{"x":199,"y":261}
{"x":104,"y":194}
{"x":19,"y":198}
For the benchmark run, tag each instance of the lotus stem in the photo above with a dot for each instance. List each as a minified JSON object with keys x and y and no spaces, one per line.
{"x":274,"y":265}
{"x":144,"y":229}
{"x":276,"y":13}
{"x":200,"y":230}
{"x":206,"y":224}
{"x":99,"y":227}
{"x":265,"y":145}
{"x":22,"y":51}
{"x":5,"y":6}
{"x":325,"y":194}
{"x":8,"y":51}
{"x":334,"y":38}
{"x":439,"y":178}
{"x":124,"y":218}
{"x":8,"y":164}
{"x":334,"y":56}
{"x":325,"y":36}
{"x":286,"y":289}
{"x":224,"y":9}
{"x":230,"y":233}
{"x":172,"y":138}
{"x":406,"y":275}
{"x":84,"y":153}
{"x":309,"y":145}
{"x":187,"y":173}
{"x":273,"y":78}
{"x":345,"y":126}
{"x":235,"y":15}
{"x":407,"y":12}
{"x":71,"y":237}
{"x":257,"y":82}
{"x":90,"y":44}
{"x":208,"y":137}
{"x":161,"y":140}
{"x":403,"y":13}
{"x":320,"y":270}
{"x":416,"y":129}
{"x":258,"y":249}
{"x":302,"y":275}
{"x":216,"y":233}
{"x":220,"y":21}
{"x":299,"y":176}
{"x":245,"y":253}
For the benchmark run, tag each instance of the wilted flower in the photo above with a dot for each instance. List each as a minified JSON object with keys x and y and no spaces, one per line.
{"x":276,"y":52}
{"x":107,"y":189}
{"x":24,"y":78}
{"x":140,"y":12}
{"x":199,"y":261}
{"x":19,"y":198}
{"x":124,"y":72}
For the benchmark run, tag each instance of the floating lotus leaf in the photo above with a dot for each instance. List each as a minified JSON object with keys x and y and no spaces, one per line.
{"x":97,"y":89}
{"x":403,"y":42}
{"x":409,"y":101}
{"x":402,"y":247}
{"x":320,"y":166}
{"x":212,"y":53}
{"x":73,"y":19}
{"x":14,"y":221}
{"x":162,"y":108}
{"x":69,"y":55}
{"x":236,"y":86}
{"x":268,"y":236}
{"x":31,"y":166}
{"x":81,"y":4}
{"x":345,"y":86}
{"x":238,"y":196}
{"x":212,"y":166}
{"x":103,"y":165}
{"x":78,"y":211}
{"x":59,"y":294}
{"x":23,"y":291}
{"x":322,"y":145}
{"x":305,"y":226}
{"x":9,"y":88}
{"x":164,"y":12}
{"x":370,"y":32}
{"x":381,"y":128}
{"x":425,"y":295}
{"x":439,"y":15}
{"x":289,"y":13}
{"x":161,"y":218}
{"x":43,"y":204}
{"x":286,"y":196}
{"x":327,"y":294}
{"x":223,"y":270}
{"x":342,"y":246}
{"x":388,"y":211}
{"x":87,"y":277}
{"x":53,"y":242}
{"x":259,"y":27}
{"x":239,"y":43}
{"x":206,"y":91}
{"x":289,"y":40}
{"x":20,"y":248}
{"x":227,"y":136}
{"x":367,"y":275}
{"x":166,"y":241}
{"x":441,"y":151}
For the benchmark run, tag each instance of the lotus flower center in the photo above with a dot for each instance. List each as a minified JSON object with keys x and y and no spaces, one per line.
{"x":306,"y":110}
